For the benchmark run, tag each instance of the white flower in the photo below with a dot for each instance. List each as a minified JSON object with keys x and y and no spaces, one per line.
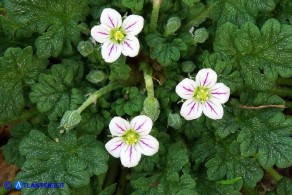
{"x":116,"y":36}
{"x":203,"y":95}
{"x":131,"y":139}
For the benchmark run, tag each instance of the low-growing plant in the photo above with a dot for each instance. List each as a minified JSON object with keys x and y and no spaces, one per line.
{"x":146,"y":96}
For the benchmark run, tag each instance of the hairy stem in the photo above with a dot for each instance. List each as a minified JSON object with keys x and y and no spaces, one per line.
{"x":282,"y":91}
{"x":25,"y":115}
{"x":154,"y":15}
{"x":148,"y":79}
{"x":93,"y":97}
{"x":272,"y":172}
{"x":282,"y":81}
{"x":201,"y":18}
{"x":122,"y":182}
{"x":114,"y":165}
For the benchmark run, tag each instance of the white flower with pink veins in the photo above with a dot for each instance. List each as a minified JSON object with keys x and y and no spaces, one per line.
{"x":117,"y":37}
{"x":203,"y":96}
{"x":131,"y":140}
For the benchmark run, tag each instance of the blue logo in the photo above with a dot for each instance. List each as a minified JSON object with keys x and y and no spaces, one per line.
{"x":7,"y":185}
{"x":18,"y":185}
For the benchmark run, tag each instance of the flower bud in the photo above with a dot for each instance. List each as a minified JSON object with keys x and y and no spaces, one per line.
{"x":172,"y":25}
{"x":201,"y":35}
{"x":70,"y":120}
{"x":95,"y":76}
{"x":151,"y":108}
{"x":188,"y":66}
{"x":85,"y":48}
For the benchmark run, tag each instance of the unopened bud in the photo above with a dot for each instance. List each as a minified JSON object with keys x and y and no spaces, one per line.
{"x":188,"y":66}
{"x":95,"y":76}
{"x":85,"y":48}
{"x":201,"y":35}
{"x":70,"y":120}
{"x":172,"y":25}
{"x":151,"y":108}
{"x":174,"y":120}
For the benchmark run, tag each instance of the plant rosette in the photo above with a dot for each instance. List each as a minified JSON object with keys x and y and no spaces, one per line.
{"x":131,"y":139}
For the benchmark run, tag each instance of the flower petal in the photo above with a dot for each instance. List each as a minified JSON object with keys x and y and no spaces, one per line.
{"x":110,"y":51}
{"x":100,"y":33}
{"x":133,"y":24}
{"x":147,"y":145}
{"x":220,"y":92}
{"x":206,"y":77}
{"x":191,"y":109}
{"x":213,"y":109}
{"x":114,"y":146}
{"x":118,"y":126}
{"x":130,"y":46}
{"x":142,"y":124}
{"x":130,"y":156}
{"x":111,"y":18}
{"x":185,"y":89}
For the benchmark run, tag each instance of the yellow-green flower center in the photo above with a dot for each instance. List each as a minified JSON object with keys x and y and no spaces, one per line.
{"x":202,"y":94}
{"x":117,"y":35}
{"x":131,"y":137}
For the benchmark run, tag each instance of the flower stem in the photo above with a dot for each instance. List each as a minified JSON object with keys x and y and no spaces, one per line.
{"x":288,"y":104}
{"x":93,"y":97}
{"x":282,"y":91}
{"x":154,"y":15}
{"x":148,"y":78}
{"x":282,"y":81}
{"x":272,"y":172}
{"x":201,"y":18}
{"x":25,"y":115}
{"x":114,"y":165}
{"x":122,"y":182}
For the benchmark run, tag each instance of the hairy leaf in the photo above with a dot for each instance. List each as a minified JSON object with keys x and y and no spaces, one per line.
{"x":253,"y":50}
{"x":268,"y":139}
{"x":56,"y":22}
{"x":19,"y":68}
{"x":70,"y":160}
{"x":55,"y":93}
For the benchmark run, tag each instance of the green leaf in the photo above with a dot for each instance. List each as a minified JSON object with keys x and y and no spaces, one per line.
{"x":190,"y":3}
{"x":269,"y":139}
{"x":230,"y":163}
{"x":11,"y":149}
{"x":119,"y":70}
{"x":284,"y":186}
{"x":166,"y":53}
{"x":207,"y":187}
{"x":55,"y":93}
{"x":168,"y":181}
{"x":19,"y":68}
{"x":71,"y":160}
{"x":92,"y":123}
{"x":239,"y":11}
{"x":136,"y":5}
{"x":56,"y":22}
{"x":254,"y":50}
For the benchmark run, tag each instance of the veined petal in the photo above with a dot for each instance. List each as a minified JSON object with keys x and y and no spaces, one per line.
{"x":114,"y":146}
{"x":133,"y":24}
{"x":147,"y":145}
{"x":185,"y":89}
{"x":220,"y":92}
{"x":111,"y":18}
{"x":100,"y":33}
{"x":206,"y":77}
{"x":130,"y":46}
{"x":118,"y":126}
{"x":130,"y":156}
{"x":142,"y":124}
{"x":191,"y":109}
{"x":110,"y":51}
{"x":213,"y":109}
